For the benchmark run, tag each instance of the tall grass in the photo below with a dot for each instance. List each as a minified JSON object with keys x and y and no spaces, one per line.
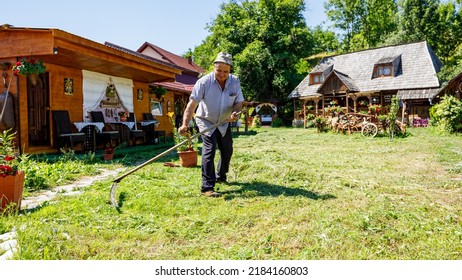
{"x":292,"y":194}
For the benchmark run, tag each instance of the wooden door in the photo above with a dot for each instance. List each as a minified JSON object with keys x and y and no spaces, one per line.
{"x":38,"y":107}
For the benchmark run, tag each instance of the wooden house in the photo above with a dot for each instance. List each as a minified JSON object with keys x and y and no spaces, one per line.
{"x":78,"y":74}
{"x":354,"y":81}
{"x":181,"y":88}
{"x":452,"y":87}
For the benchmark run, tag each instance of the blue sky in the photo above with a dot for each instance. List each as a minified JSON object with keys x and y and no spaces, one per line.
{"x":175,"y":25}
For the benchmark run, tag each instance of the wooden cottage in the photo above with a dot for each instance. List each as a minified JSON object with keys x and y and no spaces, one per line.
{"x":354,"y":81}
{"x":81,"y":76}
{"x":452,"y":87}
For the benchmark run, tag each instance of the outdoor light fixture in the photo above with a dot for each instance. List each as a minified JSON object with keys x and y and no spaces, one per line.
{"x":55,"y":50}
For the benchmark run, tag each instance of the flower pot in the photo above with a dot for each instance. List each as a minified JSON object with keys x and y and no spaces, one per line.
{"x":108,"y":156}
{"x":11,"y":189}
{"x":188,"y":158}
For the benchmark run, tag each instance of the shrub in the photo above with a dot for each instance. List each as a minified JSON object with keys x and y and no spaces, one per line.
{"x":446,"y":116}
{"x":256,"y":122}
{"x":277,"y":122}
{"x":320,"y":123}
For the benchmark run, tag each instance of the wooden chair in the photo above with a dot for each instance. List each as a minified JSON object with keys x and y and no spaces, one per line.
{"x":135,"y":133}
{"x":64,"y":132}
{"x":154,"y":135}
{"x":150,"y":130}
{"x":106,"y":136}
{"x":148,"y":116}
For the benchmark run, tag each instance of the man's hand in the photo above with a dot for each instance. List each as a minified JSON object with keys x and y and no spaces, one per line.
{"x":183,"y":130}
{"x":234,"y":116}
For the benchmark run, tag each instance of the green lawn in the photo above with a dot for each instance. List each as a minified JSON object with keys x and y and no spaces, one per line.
{"x":292,"y":194}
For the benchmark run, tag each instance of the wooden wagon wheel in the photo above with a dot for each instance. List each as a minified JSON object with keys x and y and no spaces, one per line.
{"x":369,"y":130}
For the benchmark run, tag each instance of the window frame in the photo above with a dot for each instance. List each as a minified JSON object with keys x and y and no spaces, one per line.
{"x":316,"y":75}
{"x":156,"y":108}
{"x":379,"y":70}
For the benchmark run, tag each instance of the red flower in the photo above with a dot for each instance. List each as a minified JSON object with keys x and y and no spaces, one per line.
{"x":9,"y":158}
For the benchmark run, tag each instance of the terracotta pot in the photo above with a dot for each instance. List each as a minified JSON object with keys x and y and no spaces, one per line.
{"x":11,"y":189}
{"x":108,"y":156}
{"x":188,"y":158}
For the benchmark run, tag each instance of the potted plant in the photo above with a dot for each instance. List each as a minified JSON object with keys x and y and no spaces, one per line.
{"x":11,"y":176}
{"x":375,"y":108}
{"x":158,"y":91}
{"x":29,"y":67}
{"x":188,"y":150}
{"x":363,"y":103}
{"x":108,"y":153}
{"x":123,"y":116}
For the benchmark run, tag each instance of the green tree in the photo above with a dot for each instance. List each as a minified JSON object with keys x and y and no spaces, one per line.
{"x":346,"y":16}
{"x":267,"y":38}
{"x":418,"y":20}
{"x":363,"y":23}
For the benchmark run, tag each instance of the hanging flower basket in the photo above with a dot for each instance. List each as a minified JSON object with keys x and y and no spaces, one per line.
{"x":27,"y":66}
{"x":158,"y":91}
{"x":30,"y":67}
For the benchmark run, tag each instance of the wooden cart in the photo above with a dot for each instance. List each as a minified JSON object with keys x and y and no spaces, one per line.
{"x":368,"y":125}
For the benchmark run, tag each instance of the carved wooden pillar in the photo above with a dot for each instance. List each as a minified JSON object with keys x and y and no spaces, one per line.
{"x":355,"y":103}
{"x":316,"y":102}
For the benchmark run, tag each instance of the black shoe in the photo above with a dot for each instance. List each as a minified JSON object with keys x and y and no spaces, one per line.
{"x":221,"y":179}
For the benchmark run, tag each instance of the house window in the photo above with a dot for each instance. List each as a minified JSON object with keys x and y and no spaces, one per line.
{"x":383,"y":70}
{"x":316,"y":79}
{"x":156,"y":108}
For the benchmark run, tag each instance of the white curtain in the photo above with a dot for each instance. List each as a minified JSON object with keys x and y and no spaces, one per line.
{"x":94,"y":90}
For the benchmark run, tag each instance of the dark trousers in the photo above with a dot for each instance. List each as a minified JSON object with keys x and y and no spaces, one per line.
{"x":209,"y":147}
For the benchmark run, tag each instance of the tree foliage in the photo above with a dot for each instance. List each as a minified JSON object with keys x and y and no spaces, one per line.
{"x":267,"y":38}
{"x":363,"y":23}
{"x":273,"y":48}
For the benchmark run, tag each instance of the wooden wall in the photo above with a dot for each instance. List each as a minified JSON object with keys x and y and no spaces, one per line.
{"x":73,"y":103}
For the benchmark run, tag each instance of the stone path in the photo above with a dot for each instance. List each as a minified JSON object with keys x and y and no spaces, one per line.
{"x":8,"y":241}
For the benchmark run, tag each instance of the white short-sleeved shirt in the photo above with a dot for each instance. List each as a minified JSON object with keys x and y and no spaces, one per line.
{"x":215,"y":104}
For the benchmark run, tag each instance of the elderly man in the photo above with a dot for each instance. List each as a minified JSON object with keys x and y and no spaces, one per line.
{"x":218,"y":98}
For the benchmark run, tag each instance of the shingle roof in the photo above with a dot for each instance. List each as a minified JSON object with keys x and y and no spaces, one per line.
{"x":173,"y":58}
{"x":417,"y":70}
{"x":418,"y":93}
{"x":117,"y":47}
{"x":176,"y":86}
{"x":349,"y":83}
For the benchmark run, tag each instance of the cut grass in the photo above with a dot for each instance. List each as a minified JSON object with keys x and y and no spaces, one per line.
{"x":293,"y":194}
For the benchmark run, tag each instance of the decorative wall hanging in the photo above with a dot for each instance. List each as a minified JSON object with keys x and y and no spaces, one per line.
{"x":68,"y":86}
{"x":139,"y":94}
